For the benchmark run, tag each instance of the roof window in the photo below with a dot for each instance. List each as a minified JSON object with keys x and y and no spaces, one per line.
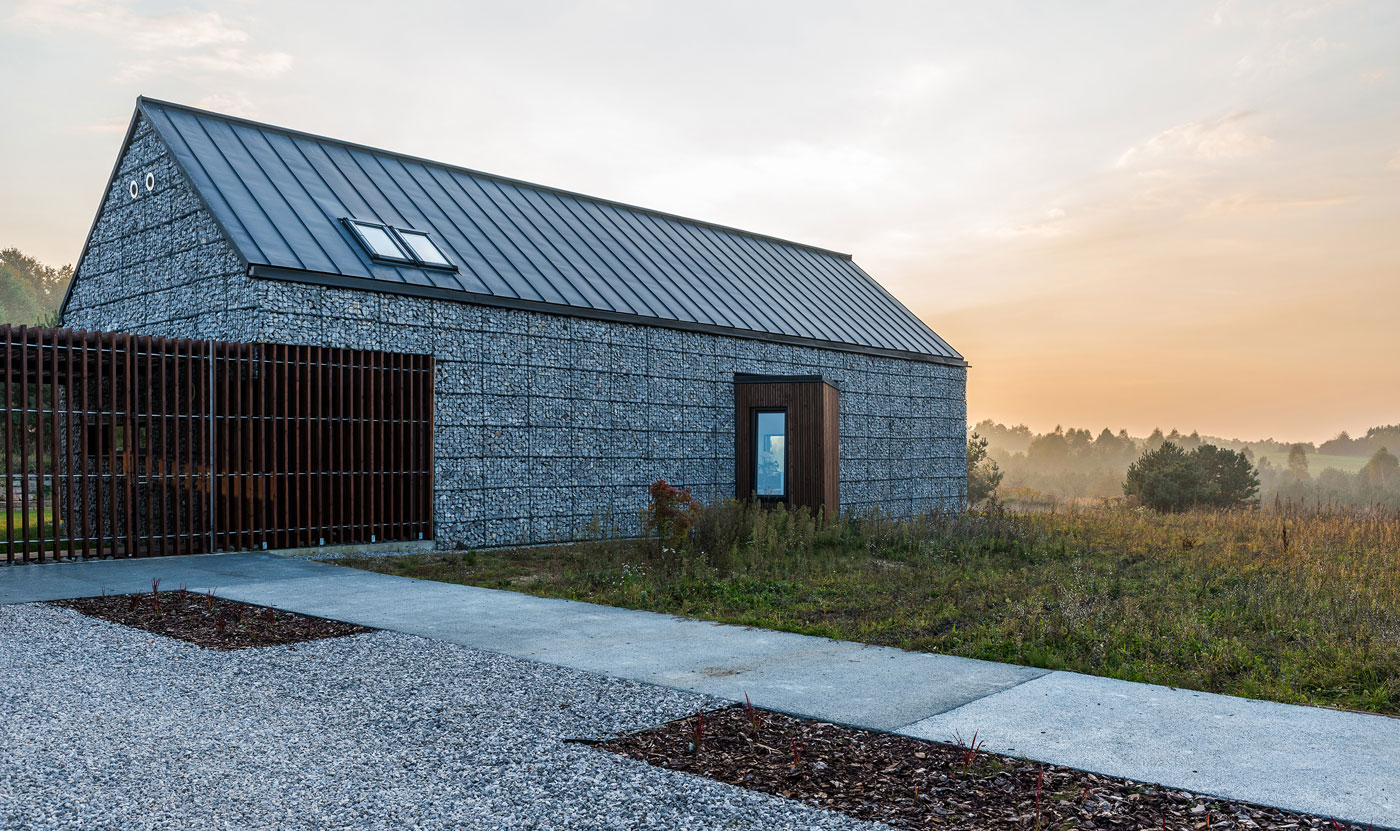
{"x":379,"y":239}
{"x":399,"y":245}
{"x":423,"y":248}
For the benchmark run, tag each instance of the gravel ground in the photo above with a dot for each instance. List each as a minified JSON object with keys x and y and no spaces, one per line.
{"x":106,"y":727}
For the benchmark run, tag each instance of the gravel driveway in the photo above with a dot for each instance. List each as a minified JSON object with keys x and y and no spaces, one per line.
{"x":106,"y":727}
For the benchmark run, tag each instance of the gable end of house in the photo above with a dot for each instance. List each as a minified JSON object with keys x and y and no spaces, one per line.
{"x":155,"y":258}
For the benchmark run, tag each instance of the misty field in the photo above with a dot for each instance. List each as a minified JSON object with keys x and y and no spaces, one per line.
{"x":1316,"y":461}
{"x":1302,"y":609}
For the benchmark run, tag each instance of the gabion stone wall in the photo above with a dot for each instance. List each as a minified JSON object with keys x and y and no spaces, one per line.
{"x":545,"y":423}
{"x":158,"y":264}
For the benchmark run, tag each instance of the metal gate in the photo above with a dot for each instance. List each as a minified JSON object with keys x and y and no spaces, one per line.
{"x":121,"y":445}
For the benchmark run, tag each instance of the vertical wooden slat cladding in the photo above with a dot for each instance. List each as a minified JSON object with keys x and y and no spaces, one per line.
{"x":831,"y":448}
{"x":55,"y":478}
{"x":83,"y":445}
{"x":280,"y":383}
{"x":38,"y":437}
{"x":247,"y":427}
{"x":102,"y":446}
{"x":132,"y":445}
{"x":813,"y":436}
{"x":69,"y":511}
{"x":265,"y":433}
{"x":144,"y":451}
{"x":26,"y":382}
{"x":9,"y":448}
{"x":428,"y":435}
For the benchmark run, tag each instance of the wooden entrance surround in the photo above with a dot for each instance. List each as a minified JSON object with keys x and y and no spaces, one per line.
{"x":810,"y":405}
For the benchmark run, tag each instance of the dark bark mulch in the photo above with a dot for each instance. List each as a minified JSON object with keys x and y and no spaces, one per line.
{"x":910,"y":783}
{"x":211,"y":622}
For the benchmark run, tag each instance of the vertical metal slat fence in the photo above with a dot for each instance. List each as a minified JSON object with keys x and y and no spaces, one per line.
{"x":124,"y":446}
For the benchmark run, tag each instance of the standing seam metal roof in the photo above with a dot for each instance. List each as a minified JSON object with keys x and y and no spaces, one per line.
{"x":279,"y":196}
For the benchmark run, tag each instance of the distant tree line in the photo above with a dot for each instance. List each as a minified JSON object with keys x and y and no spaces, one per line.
{"x":1073,"y":463}
{"x":1376,"y":438}
{"x":29,"y":290}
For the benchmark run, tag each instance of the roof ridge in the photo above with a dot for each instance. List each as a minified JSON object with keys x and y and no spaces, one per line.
{"x":142,"y":101}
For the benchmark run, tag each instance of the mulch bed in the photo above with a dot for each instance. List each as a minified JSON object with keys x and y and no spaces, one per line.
{"x":211,"y":622}
{"x":910,"y":783}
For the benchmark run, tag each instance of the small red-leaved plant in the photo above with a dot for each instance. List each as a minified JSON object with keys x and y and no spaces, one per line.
{"x":671,"y":513}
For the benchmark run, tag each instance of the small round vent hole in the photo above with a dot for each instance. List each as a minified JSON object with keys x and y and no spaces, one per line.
{"x":150,"y":181}
{"x":132,"y":189}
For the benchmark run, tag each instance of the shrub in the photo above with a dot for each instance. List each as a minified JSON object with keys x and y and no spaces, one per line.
{"x":1227,"y":479}
{"x":671,"y":513}
{"x":983,"y":474}
{"x":1171,"y":479}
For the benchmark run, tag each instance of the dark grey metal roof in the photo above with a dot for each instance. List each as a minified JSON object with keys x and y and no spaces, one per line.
{"x":279,"y":195}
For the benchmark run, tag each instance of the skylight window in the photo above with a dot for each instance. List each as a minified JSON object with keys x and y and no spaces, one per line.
{"x":423,"y":247}
{"x":379,"y":240}
{"x":403,"y":245}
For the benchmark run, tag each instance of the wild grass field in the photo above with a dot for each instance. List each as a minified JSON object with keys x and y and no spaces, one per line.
{"x":1301,"y":608}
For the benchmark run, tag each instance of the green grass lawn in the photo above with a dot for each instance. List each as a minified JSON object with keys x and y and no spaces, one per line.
{"x":1206,"y":601}
{"x":18,"y":517}
{"x":1316,"y":461}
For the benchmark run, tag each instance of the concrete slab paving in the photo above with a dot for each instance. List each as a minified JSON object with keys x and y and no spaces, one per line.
{"x":52,"y":581}
{"x":841,"y":681}
{"x":852,"y":683}
{"x":1325,"y":762}
{"x":1310,"y":759}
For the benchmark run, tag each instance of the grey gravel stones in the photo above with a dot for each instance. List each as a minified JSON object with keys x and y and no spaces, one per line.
{"x":105,"y":727}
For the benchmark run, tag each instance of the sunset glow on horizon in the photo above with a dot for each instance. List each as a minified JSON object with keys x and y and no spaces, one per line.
{"x":1179,"y":215}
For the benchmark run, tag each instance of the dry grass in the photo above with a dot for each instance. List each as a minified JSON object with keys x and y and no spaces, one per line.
{"x":1299,"y":608}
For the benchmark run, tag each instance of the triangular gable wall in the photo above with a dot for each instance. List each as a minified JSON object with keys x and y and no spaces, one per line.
{"x":157,"y":263}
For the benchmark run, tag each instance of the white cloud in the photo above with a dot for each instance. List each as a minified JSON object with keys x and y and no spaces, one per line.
{"x":116,"y":126}
{"x":1259,"y":204}
{"x":1218,"y":17}
{"x":177,"y":30}
{"x":789,"y":168}
{"x":185,"y":40}
{"x":1054,"y":223}
{"x":232,"y":103}
{"x":1394,"y":163}
{"x":259,"y":66}
{"x":919,"y":81}
{"x":186,"y":30}
{"x":1221,"y":140}
{"x":1284,"y":56}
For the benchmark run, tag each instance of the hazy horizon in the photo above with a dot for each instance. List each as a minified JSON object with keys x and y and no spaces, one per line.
{"x":1149,"y":216}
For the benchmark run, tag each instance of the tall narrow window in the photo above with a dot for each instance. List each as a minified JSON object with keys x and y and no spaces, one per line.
{"x":770,"y":454}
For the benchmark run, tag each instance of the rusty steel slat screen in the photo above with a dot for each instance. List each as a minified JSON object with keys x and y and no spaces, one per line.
{"x":120,"y":445}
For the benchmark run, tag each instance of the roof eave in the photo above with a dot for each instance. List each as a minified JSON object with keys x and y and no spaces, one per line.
{"x":342,"y":281}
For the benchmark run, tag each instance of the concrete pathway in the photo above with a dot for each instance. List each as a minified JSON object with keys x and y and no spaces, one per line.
{"x":1320,"y":761}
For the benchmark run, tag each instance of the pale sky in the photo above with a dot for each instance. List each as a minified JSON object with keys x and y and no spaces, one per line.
{"x":1124,"y":214}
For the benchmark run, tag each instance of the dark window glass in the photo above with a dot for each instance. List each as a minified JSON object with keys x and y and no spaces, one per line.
{"x":770,"y":454}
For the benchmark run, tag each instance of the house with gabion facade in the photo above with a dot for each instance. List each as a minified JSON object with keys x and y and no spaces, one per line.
{"x":583,"y":348}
